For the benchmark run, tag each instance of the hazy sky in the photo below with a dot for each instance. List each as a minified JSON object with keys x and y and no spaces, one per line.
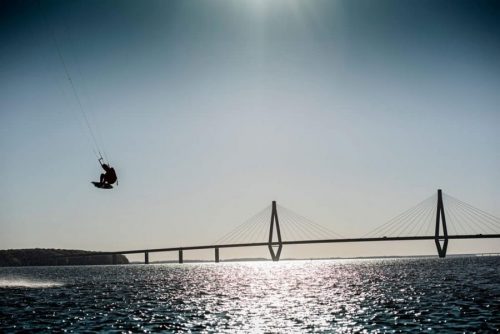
{"x":347,"y":112}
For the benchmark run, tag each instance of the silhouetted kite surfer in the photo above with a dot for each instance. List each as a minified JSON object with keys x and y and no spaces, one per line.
{"x":107,"y":178}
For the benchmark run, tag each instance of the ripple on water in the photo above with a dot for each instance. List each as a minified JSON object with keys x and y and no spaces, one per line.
{"x":403,"y":295}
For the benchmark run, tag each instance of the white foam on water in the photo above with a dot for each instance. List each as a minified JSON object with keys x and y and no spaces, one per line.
{"x":24,"y":283}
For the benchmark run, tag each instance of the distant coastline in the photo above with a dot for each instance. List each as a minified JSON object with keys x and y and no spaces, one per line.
{"x":54,"y":257}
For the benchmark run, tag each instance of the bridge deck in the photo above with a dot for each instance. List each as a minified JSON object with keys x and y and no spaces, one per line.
{"x":296,"y":242}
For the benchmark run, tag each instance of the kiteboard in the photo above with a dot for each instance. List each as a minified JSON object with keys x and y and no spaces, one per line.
{"x":102,"y":185}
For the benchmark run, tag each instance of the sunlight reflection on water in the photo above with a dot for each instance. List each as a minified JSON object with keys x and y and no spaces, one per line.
{"x":404,"y":295}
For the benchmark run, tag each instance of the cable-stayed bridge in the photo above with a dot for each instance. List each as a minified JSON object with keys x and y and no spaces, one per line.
{"x":440,"y":217}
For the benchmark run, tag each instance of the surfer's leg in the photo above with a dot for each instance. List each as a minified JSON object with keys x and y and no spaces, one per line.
{"x":103,"y":176}
{"x":109,"y":180}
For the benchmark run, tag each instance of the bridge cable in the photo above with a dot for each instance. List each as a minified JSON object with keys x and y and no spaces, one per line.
{"x":311,"y":223}
{"x":392,"y":229}
{"x":299,"y":225}
{"x":495,"y":220}
{"x":482,"y":217}
{"x":239,"y":236}
{"x":420,"y":221}
{"x":427,"y":218}
{"x":458,"y":216}
{"x":307,"y":233}
{"x":263,"y":232}
{"x":408,"y":227}
{"x":291,"y":232}
{"x":452,"y":223}
{"x":243,"y":225}
{"x":380,"y":230}
{"x":475,"y":219}
{"x":256,"y":231}
{"x":289,"y":222}
{"x":431,"y":226}
{"x":396,"y":219}
{"x":450,"y":209}
{"x":299,"y":231}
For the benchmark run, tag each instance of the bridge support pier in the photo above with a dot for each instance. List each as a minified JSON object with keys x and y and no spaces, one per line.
{"x":217,"y":259}
{"x":441,"y":221}
{"x":146,"y":257}
{"x":181,"y":259}
{"x":275,"y":255}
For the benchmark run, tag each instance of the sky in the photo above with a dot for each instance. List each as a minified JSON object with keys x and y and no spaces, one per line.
{"x":347,"y":112}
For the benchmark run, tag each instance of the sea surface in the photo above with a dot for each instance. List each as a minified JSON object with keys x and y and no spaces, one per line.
{"x":451,"y":295}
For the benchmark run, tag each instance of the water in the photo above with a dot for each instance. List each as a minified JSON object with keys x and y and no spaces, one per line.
{"x":390,"y":295}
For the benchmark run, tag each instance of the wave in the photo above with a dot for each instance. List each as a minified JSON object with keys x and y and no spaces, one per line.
{"x":24,"y":283}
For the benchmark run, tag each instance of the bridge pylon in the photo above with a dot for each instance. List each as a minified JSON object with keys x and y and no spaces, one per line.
{"x":441,"y":221}
{"x":275,"y":255}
